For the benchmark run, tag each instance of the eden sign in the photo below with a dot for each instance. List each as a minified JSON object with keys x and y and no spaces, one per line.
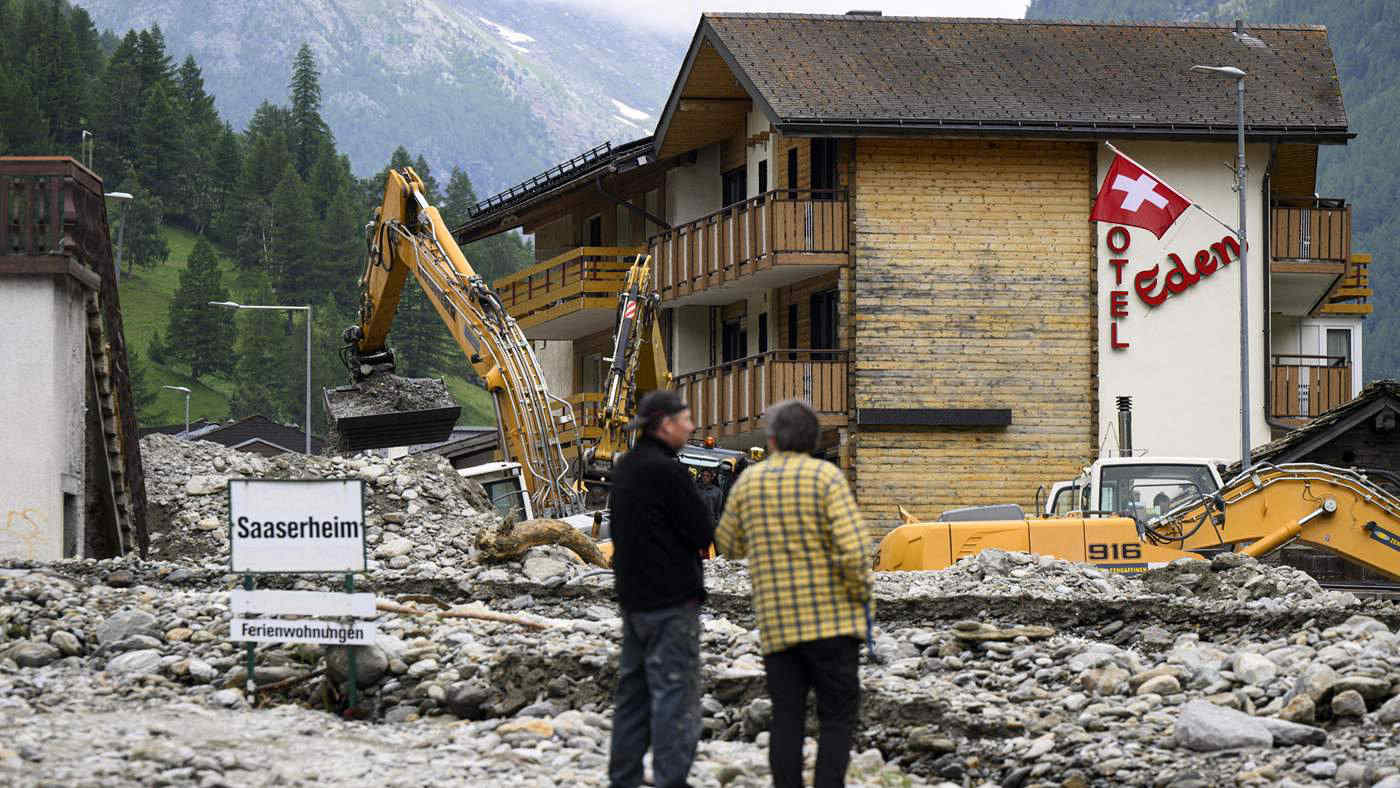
{"x":1153,"y":287}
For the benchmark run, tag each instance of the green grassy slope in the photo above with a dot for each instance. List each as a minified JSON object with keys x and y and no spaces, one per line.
{"x":145,"y":300}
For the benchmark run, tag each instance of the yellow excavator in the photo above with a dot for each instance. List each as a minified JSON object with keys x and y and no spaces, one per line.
{"x":537,"y":429}
{"x":409,"y":236}
{"x":1333,"y":509}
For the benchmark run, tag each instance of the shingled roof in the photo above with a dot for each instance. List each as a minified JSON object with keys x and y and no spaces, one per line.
{"x":1296,"y":445}
{"x":851,"y":75}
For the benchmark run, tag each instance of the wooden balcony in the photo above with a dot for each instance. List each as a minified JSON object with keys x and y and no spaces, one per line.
{"x":1304,"y":387}
{"x":728,"y":400}
{"x":571,"y":295}
{"x":1310,"y":261}
{"x":776,"y":239}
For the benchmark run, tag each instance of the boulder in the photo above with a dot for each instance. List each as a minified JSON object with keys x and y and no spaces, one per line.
{"x":1205,"y":727}
{"x":135,"y":663}
{"x":206,"y":485}
{"x":1254,"y":669}
{"x":126,"y":623}
{"x":30,"y":654}
{"x":1348,"y":703}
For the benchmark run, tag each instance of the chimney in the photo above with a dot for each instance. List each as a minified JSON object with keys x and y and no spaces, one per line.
{"x":1125,"y":426}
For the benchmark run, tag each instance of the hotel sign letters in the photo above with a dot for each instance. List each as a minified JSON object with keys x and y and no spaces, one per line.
{"x":1152,"y":287}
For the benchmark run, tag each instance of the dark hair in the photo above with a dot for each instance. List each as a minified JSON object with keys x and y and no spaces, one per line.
{"x":655,"y":407}
{"x":792,"y":424}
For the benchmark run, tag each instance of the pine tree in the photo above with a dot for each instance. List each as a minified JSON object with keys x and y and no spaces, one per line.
{"x":153,"y":64}
{"x":119,"y":111}
{"x":161,"y":158}
{"x":202,"y":138}
{"x":248,"y":219}
{"x":491,"y":258}
{"x":295,"y":265}
{"x":145,"y":246}
{"x":205,"y":333}
{"x":263,"y":377}
{"x":310,"y":134}
{"x":143,"y":391}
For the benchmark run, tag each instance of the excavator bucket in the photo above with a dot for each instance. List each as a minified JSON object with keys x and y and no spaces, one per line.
{"x":387,"y":410}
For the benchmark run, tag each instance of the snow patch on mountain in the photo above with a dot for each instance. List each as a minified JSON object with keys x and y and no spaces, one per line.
{"x":511,"y":36}
{"x":629,"y":113}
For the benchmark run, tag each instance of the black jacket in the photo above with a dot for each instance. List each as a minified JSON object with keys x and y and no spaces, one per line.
{"x":659,"y":526}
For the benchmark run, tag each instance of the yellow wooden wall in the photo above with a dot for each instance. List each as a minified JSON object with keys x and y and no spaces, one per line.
{"x":973,"y":289}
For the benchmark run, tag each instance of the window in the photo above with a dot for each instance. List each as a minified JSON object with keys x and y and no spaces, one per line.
{"x":1151,"y":490}
{"x":823,"y":168}
{"x":735,"y":186}
{"x":1065,"y":501}
{"x":823,"y":323}
{"x":1339,"y":347}
{"x":762,"y":177}
{"x":792,"y":331}
{"x":763,"y":333}
{"x":735,"y":341}
{"x":595,"y":231}
{"x":792,"y":173}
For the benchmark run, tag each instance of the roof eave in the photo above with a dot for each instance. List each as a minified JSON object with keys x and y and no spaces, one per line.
{"x":706,"y":32}
{"x":826,"y":127}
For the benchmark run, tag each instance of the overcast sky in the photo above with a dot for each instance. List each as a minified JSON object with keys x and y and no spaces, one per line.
{"x":682,"y":15}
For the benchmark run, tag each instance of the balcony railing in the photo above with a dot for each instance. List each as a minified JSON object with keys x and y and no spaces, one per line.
{"x":588,"y":277}
{"x":1307,"y":386}
{"x":785,"y":226}
{"x":729,"y":399}
{"x":1311,"y":230}
{"x":588,"y":409}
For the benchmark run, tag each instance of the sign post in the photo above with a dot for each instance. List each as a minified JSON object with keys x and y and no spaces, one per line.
{"x":279,"y":526}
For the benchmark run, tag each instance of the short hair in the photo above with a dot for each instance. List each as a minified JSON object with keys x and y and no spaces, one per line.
{"x":792,"y":424}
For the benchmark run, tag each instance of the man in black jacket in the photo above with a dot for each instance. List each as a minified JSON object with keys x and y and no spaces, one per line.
{"x":659,"y":527}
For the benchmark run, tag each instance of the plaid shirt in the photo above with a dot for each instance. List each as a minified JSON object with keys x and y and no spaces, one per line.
{"x":794,"y":518}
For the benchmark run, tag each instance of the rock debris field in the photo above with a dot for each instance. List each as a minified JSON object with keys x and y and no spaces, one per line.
{"x":1006,"y":669}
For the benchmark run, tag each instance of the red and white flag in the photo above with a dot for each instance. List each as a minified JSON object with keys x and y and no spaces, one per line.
{"x":1131,"y":195}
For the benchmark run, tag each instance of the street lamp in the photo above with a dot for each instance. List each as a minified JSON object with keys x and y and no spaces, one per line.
{"x":307,"y":310}
{"x":187,"y":406}
{"x":121,"y":229}
{"x":1231,"y":72}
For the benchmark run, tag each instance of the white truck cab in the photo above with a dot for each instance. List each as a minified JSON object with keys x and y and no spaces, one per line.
{"x":504,"y":486}
{"x":1140,"y":487}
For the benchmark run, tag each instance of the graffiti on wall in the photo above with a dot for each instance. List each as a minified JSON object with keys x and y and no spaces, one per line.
{"x":21,"y":533}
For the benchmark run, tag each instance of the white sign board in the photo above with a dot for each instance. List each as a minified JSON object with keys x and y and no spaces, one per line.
{"x":280,"y":525}
{"x":279,"y":630}
{"x":307,"y":603}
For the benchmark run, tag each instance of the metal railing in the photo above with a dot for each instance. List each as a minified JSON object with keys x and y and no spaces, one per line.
{"x":731,"y":397}
{"x":1310,"y":229}
{"x":1304,"y":387}
{"x":587,"y":272}
{"x":745,"y":236}
{"x":552,"y":174}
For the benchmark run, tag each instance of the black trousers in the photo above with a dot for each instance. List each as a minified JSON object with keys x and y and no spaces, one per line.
{"x":831,"y":667}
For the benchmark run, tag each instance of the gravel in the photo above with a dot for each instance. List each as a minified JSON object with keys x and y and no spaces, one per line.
{"x":1004,"y":669}
{"x":384,"y":393}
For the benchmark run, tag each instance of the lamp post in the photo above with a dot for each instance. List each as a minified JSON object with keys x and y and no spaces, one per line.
{"x":1240,"y":185}
{"x":121,"y":229}
{"x":187,"y":407}
{"x":307,"y":310}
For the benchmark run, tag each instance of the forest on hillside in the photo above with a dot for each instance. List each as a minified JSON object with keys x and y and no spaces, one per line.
{"x":1365,"y":39}
{"x":276,"y":199}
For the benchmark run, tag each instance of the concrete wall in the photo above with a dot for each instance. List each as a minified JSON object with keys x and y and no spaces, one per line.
{"x":557,"y":359}
{"x":691,"y":339}
{"x":757,"y":123}
{"x":1182,"y":363}
{"x":43,"y":395}
{"x":694,"y":190}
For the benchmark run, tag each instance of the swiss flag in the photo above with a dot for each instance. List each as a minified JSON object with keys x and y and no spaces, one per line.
{"x":1132,"y":195}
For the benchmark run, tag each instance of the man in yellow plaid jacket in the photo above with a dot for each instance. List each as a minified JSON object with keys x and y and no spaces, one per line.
{"x":794,"y":518}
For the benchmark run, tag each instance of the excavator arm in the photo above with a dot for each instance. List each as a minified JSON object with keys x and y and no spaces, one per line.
{"x":1335,"y":510}
{"x":409,"y":236}
{"x":638,"y":361}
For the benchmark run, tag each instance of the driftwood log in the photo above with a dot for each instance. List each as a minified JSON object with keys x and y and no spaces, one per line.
{"x":511,"y":542}
{"x":484,"y":615}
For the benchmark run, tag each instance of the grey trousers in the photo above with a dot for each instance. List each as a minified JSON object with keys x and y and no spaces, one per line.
{"x":657,"y":703}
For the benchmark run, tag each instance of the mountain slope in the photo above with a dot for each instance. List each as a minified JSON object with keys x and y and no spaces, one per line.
{"x":502,"y":88}
{"x":1365,"y":38}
